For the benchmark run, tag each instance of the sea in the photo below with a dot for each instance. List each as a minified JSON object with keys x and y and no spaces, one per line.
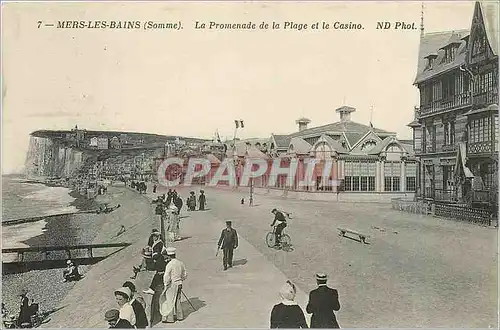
{"x":23,"y":200}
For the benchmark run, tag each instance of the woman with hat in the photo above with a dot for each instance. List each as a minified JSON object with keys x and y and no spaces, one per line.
{"x":123,"y":296}
{"x":287,"y":314}
{"x":139,"y":305}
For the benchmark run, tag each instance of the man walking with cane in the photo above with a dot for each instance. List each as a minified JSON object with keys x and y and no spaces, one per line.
{"x":228,"y":241}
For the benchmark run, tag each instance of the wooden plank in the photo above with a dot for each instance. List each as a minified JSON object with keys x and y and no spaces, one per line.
{"x":63,"y":248}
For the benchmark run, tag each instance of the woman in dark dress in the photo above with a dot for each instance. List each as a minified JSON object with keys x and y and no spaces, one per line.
{"x":288,"y":314}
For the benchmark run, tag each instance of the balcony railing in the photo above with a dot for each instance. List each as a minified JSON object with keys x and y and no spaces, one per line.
{"x":449,"y":147}
{"x":451,"y":102}
{"x":485,"y":98}
{"x":479,"y":147}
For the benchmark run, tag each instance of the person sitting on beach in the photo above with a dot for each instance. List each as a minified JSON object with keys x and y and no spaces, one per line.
{"x":24,"y":310}
{"x":71,"y":272}
{"x":139,"y":306}
{"x":114,"y":321}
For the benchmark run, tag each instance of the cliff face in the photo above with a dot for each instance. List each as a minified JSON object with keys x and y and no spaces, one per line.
{"x":47,"y":157}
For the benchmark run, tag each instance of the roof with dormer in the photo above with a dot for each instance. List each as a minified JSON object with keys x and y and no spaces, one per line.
{"x":300,"y":146}
{"x":433,"y":44}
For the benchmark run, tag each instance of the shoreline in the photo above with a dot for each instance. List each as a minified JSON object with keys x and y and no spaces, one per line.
{"x":45,"y":286}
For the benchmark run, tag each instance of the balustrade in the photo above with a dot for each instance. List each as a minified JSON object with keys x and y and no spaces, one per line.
{"x":479,"y":147}
{"x":451,"y":102}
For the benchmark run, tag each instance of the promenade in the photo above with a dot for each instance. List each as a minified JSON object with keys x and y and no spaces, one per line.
{"x":417,"y":271}
{"x":242,"y":296}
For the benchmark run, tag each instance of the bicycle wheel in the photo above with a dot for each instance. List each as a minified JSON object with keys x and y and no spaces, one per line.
{"x":270,"y":240}
{"x":286,"y":240}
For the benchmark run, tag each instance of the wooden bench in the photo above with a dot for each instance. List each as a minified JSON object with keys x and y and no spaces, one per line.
{"x":362,"y":237}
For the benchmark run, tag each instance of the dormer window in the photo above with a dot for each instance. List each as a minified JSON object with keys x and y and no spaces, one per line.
{"x":430,"y":61}
{"x":450,"y":52}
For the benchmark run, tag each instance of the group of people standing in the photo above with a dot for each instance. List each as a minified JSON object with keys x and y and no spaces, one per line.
{"x":191,"y":201}
{"x":140,"y":186}
{"x":323,"y":302}
{"x":165,"y":287}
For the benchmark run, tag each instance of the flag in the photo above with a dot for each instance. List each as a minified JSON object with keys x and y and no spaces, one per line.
{"x":241,"y":124}
{"x":237,"y":124}
{"x":371,"y":125}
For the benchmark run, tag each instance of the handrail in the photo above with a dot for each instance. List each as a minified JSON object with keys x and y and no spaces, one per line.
{"x":63,"y":248}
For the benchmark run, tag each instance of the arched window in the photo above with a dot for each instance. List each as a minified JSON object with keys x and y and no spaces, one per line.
{"x":290,"y":148}
{"x":323,"y":151}
{"x":368,"y":145}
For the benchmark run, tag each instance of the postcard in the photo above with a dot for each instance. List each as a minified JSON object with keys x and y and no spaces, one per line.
{"x":250,"y":164}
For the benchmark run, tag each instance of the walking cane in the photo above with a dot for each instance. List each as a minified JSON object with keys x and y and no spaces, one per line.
{"x":189,"y":301}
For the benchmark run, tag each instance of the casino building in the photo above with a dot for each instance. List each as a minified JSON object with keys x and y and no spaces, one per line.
{"x":367,"y":161}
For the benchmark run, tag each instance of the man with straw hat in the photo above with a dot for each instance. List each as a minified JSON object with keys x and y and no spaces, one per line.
{"x":170,"y":300}
{"x":323,"y":301}
{"x":112,"y":316}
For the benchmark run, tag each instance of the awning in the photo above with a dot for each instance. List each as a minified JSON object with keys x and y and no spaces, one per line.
{"x":460,"y":163}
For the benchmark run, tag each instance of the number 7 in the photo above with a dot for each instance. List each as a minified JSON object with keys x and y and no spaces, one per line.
{"x":39,"y":24}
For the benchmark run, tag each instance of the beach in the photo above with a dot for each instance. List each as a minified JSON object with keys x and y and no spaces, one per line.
{"x":22,"y":200}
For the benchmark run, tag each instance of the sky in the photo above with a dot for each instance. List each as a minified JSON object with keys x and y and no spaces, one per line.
{"x":192,"y":82}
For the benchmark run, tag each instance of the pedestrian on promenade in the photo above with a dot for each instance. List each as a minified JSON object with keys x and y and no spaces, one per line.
{"x":154,"y":189}
{"x":192,"y":201}
{"x":173,"y":223}
{"x":139,"y":306}
{"x":170,"y":300}
{"x":178,"y":202}
{"x":146,"y":262}
{"x":288,"y":314}
{"x":169,"y":197}
{"x":115,"y":322}
{"x":323,"y":301}
{"x":157,"y":244}
{"x":228,"y":241}
{"x":123,"y":296}
{"x":156,"y":288}
{"x":202,"y":200}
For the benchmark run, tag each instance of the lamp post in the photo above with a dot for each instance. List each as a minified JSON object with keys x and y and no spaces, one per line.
{"x":251,"y":192}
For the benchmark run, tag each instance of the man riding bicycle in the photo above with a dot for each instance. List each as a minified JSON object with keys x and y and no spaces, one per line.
{"x":280,"y":218}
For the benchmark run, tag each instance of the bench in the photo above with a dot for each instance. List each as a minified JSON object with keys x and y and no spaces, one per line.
{"x":362,"y":237}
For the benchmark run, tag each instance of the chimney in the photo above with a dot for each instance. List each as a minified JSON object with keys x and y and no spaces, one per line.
{"x":345,"y":113}
{"x":302,"y":122}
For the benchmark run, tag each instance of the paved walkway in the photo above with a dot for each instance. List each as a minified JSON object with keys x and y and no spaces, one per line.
{"x":243,"y":296}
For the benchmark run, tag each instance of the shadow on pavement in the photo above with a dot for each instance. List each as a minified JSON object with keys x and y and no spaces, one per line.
{"x":183,"y":238}
{"x":239,"y":262}
{"x":356,"y":240}
{"x":188,"y":309}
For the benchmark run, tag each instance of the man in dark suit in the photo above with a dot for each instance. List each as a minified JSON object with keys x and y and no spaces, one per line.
{"x":228,"y":241}
{"x":322,"y":302}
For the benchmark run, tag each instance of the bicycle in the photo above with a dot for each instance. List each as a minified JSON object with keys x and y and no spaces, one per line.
{"x":285,"y":239}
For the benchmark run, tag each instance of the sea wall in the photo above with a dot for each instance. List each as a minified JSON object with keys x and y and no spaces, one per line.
{"x":47,"y":157}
